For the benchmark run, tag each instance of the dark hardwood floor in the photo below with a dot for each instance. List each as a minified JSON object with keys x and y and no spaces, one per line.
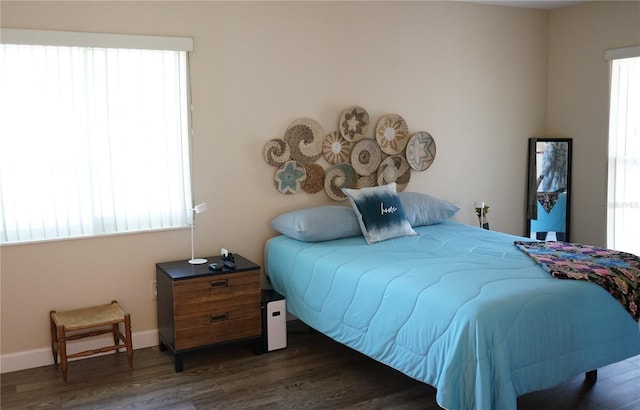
{"x":312,"y":372}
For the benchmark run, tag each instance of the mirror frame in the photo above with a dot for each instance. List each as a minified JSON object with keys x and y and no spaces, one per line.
{"x":532,"y":182}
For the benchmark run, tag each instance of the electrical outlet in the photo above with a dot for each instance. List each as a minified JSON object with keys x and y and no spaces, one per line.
{"x":154,"y":290}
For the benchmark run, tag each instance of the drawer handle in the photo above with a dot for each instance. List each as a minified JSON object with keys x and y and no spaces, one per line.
{"x":219,"y":284}
{"x":218,"y":318}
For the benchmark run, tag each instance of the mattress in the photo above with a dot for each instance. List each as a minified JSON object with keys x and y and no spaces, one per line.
{"x":457,"y":307}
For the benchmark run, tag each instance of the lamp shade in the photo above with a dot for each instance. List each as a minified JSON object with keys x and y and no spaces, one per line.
{"x":200,"y":208}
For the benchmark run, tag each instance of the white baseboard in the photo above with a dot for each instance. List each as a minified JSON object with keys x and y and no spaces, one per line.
{"x":43,"y":357}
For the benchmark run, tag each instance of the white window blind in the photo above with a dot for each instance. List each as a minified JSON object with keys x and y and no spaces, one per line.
{"x":623,"y":210}
{"x":93,"y":140}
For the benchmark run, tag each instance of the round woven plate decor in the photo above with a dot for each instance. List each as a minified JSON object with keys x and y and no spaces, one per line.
{"x":337,"y":177}
{"x":366,"y":181}
{"x":366,"y":157}
{"x":336,"y":149}
{"x":394,"y":169}
{"x":277,"y":152}
{"x":421,"y":151}
{"x":315,"y":179}
{"x":354,"y":123}
{"x":290,"y":177}
{"x":392,"y":133}
{"x":304,"y":137}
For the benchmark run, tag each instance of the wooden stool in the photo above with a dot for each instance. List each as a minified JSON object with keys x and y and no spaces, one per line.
{"x":110,"y":315}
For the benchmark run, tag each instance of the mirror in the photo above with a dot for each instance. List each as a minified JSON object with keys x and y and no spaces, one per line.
{"x":549,"y":188}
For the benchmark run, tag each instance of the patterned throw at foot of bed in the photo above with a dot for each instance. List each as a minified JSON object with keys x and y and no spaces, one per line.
{"x":617,"y":272}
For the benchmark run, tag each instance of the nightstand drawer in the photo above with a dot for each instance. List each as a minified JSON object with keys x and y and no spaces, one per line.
{"x":216,"y":313}
{"x":219,"y":330}
{"x":189,"y":302}
{"x":222,"y":284}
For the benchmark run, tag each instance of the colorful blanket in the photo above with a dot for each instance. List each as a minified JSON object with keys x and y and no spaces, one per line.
{"x":548,"y":200}
{"x":617,"y":272}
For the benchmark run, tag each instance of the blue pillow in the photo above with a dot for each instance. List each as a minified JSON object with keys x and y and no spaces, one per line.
{"x":318,"y":224}
{"x":380,"y":212}
{"x":422,"y":209}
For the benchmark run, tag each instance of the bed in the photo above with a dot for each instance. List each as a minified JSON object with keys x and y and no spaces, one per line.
{"x":455,"y":306}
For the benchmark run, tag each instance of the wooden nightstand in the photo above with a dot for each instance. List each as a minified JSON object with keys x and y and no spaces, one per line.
{"x":199,"y":308}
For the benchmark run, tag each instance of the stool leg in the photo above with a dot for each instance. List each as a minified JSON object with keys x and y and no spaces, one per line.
{"x":62,"y":349}
{"x":116,"y":336}
{"x":128,"y":342}
{"x":54,"y":338}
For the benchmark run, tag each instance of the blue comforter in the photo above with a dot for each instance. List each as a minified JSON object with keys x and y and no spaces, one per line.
{"x":457,"y":307}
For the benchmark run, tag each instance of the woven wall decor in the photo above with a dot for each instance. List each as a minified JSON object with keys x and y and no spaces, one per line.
{"x":290,"y":177}
{"x":315,"y":179}
{"x":392,"y":133}
{"x":394,"y":169}
{"x":308,"y":160}
{"x":354,"y":123}
{"x":366,"y":157}
{"x":367,"y":181}
{"x":335,"y":148}
{"x":304,"y":137}
{"x":421,"y":151}
{"x":337,"y":177}
{"x":277,"y":152}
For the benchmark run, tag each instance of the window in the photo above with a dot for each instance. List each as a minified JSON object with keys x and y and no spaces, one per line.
{"x":94,"y":135}
{"x":623,"y":210}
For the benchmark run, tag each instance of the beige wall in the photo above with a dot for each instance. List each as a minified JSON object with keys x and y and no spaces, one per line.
{"x":579,"y":100}
{"x":474,"y":76}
